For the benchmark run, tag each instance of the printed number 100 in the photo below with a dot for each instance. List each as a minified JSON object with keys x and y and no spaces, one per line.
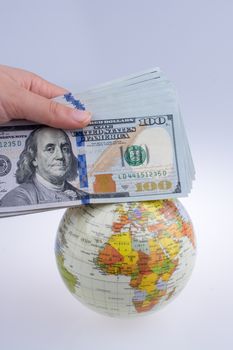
{"x":151,"y":186}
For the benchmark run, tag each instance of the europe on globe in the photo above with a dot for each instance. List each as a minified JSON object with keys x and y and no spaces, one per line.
{"x":126,"y":259}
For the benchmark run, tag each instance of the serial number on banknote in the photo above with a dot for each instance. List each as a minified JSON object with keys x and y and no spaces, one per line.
{"x":143,"y":174}
{"x":6,"y":144}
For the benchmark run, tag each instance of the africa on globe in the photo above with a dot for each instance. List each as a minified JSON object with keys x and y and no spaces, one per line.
{"x":126,"y":259}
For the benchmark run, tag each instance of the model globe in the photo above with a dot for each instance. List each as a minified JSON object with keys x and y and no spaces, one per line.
{"x":126,"y":259}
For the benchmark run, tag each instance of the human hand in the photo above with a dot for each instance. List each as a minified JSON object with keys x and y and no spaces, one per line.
{"x":25,"y":95}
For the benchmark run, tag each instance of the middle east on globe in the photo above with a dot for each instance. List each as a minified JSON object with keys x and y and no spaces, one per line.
{"x":126,"y":259}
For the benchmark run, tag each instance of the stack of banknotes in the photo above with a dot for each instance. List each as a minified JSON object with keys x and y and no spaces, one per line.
{"x":134,"y":149}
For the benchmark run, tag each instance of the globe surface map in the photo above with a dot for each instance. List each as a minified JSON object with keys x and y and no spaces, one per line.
{"x":126,"y":259}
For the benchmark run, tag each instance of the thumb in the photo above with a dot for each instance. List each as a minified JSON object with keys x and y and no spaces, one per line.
{"x":39,"y":109}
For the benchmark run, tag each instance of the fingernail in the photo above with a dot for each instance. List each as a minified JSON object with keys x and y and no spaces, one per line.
{"x":81,"y":116}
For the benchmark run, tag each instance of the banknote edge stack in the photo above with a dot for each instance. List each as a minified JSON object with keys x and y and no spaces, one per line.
{"x":121,"y":96}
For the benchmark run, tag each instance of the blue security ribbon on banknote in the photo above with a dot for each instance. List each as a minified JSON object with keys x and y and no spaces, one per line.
{"x":80,"y":142}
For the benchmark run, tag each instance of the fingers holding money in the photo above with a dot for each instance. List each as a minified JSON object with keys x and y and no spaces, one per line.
{"x":24,"y":95}
{"x":45,"y":111}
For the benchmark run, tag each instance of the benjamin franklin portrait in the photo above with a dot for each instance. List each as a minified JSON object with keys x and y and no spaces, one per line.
{"x":44,"y":169}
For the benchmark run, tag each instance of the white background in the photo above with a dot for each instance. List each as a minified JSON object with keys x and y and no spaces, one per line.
{"x":78,"y":44}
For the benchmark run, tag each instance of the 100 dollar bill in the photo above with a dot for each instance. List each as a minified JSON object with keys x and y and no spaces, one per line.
{"x":111,"y":160}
